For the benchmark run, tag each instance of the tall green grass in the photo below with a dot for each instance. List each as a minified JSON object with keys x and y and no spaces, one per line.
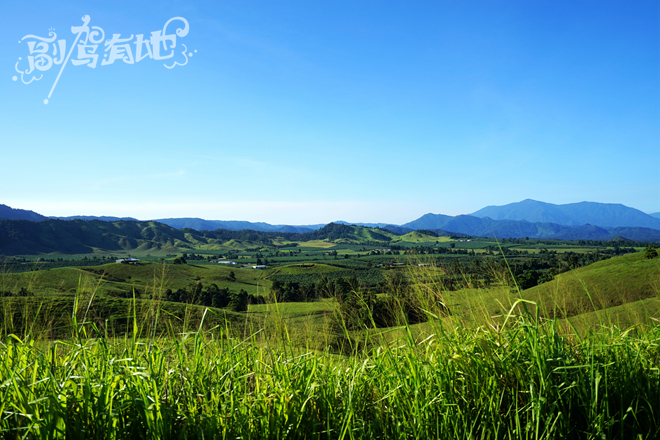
{"x":515,"y":377}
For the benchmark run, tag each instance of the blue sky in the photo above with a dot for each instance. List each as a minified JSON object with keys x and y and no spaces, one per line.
{"x":309,"y":112}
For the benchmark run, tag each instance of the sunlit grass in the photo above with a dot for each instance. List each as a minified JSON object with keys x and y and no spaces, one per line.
{"x":489,"y":365}
{"x":317,"y":244}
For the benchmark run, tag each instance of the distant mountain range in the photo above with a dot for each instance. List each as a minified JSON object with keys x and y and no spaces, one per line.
{"x":23,"y":237}
{"x":529,"y":218}
{"x":487,"y":227}
{"x":236,"y":225}
{"x":92,"y":217}
{"x":232,"y":225}
{"x":572,"y":214}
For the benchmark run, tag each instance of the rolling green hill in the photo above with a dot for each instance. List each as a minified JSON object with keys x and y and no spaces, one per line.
{"x":50,"y":317}
{"x":22,"y":237}
{"x":421,"y":236}
{"x":340,"y":233}
{"x":602,"y":285}
{"x":148,"y":279}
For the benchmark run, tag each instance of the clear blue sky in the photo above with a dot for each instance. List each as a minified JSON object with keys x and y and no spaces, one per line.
{"x":308,"y":112}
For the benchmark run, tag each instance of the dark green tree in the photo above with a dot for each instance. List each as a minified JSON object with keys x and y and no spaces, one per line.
{"x":239,"y":301}
{"x":219,"y":297}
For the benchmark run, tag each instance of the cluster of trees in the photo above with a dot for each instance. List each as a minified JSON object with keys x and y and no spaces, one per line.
{"x":213,"y":296}
{"x":291,"y":291}
{"x":471,"y":271}
{"x":193,"y":257}
{"x":285,"y":253}
{"x":548,"y":264}
{"x":361,"y":305}
{"x":528,"y":270}
{"x":363,"y":308}
{"x":259,"y":257}
{"x":17,"y":265}
{"x":616,"y":242}
{"x":314,"y":284}
{"x":323,"y":287}
{"x":22,"y":292}
{"x":183,"y":259}
{"x":432,"y":250}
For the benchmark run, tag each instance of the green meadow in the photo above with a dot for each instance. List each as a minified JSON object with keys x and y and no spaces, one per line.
{"x":428,"y":337}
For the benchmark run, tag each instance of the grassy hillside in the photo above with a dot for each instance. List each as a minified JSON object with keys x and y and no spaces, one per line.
{"x":420,"y":237}
{"x":148,"y":278}
{"x":601,"y":285}
{"x":295,"y":269}
{"x":637,"y":314}
{"x":301,"y":370}
{"x":50,"y":317}
{"x":349,"y":234}
{"x":620,"y":287}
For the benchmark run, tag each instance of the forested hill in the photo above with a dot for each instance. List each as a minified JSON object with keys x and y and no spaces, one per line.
{"x":81,"y":236}
{"x":339,"y":231}
{"x":9,"y":213}
{"x":22,"y":237}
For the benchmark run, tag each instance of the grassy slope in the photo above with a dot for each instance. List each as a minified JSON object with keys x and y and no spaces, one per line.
{"x":644,"y":313}
{"x":317,"y":244}
{"x":609,"y":283}
{"x":418,"y":237}
{"x":304,"y":268}
{"x":620,"y":290}
{"x":145,"y":276}
{"x":51,"y":317}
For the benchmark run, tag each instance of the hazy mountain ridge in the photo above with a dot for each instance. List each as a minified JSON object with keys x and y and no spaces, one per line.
{"x":93,"y":217}
{"x":495,"y":224}
{"x":611,"y":215}
{"x":9,"y":213}
{"x":24,"y":237}
{"x":232,"y":225}
{"x":237,"y":225}
{"x":487,"y":227}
